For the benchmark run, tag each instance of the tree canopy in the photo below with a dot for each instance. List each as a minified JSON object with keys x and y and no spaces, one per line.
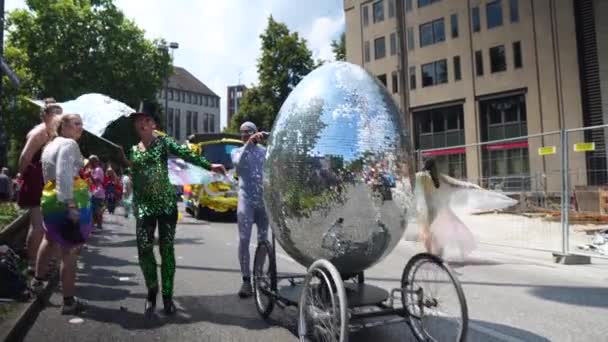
{"x":339,"y":48}
{"x":66,"y":48}
{"x":285,"y":59}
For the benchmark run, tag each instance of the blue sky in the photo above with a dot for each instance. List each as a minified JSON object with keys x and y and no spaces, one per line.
{"x":219,"y":39}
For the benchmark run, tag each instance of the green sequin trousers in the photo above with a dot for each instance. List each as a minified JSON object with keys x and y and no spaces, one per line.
{"x":145,"y":247}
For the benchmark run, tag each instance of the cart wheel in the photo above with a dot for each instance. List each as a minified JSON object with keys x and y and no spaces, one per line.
{"x":264,"y":279}
{"x":434,"y":300}
{"x":323,"y":305}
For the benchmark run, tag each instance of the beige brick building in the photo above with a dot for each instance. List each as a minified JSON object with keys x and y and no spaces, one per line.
{"x":470,"y":71}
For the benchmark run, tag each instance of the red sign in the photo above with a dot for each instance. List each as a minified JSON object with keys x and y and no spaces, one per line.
{"x":444,"y":152}
{"x":507,"y":146}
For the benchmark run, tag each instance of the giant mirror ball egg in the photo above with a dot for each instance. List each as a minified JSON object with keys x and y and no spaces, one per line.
{"x":338,"y":173}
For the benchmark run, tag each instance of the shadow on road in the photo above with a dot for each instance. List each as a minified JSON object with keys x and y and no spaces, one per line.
{"x":581,"y":296}
{"x":218,"y":309}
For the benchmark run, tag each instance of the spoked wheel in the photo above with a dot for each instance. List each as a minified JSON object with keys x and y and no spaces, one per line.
{"x":434,"y":300}
{"x":264,"y":279}
{"x":323,"y":305}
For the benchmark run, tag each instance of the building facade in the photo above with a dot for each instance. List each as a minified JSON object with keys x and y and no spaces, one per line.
{"x":192,"y":106}
{"x":233,"y":100}
{"x":481,"y":71}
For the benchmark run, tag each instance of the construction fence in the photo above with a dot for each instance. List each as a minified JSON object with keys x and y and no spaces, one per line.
{"x":560,"y":180}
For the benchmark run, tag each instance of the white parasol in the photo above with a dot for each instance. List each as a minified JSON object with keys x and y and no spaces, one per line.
{"x":97,"y":111}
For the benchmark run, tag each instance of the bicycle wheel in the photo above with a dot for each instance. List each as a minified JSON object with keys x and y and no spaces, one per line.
{"x":322,"y":307}
{"x":264,"y":279}
{"x":434,"y":300}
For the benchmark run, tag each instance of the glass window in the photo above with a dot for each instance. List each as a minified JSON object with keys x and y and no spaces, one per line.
{"x":206,"y":100}
{"x":514,"y":10}
{"x":498,"y":59}
{"x":206,"y":122}
{"x":195,"y":122}
{"x":476,"y":21}
{"x":170,"y":122}
{"x":366,"y":51}
{"x":438,"y":122}
{"x":382,"y":79}
{"x":426,"y":34}
{"x":454,"y":22}
{"x":408,"y":5}
{"x":424,"y":122}
{"x":365,"y":15}
{"x":494,"y":13}
{"x":412,"y":77}
{"x":178,"y":124}
{"x":428,"y":74}
{"x":410,"y":38}
{"x":478,"y":63}
{"x":379,"y":48}
{"x":457,"y":73}
{"x":188,"y":123}
{"x":378,"y":11}
{"x":439,"y":30}
{"x":517,"y":60}
{"x":211,"y":123}
{"x":422,"y":3}
{"x":434,"y":73}
{"x":391,"y":8}
{"x":393,"y":43}
{"x":441,"y":71}
{"x":432,"y":32}
{"x":395,"y":82}
{"x":452,"y":120}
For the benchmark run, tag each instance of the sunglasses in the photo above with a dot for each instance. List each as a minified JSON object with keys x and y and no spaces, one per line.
{"x":248,"y":132}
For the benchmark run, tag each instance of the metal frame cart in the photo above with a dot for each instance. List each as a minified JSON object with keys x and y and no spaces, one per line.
{"x":331,"y":304}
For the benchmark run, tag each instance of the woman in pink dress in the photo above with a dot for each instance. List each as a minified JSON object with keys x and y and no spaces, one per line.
{"x":440,"y":228}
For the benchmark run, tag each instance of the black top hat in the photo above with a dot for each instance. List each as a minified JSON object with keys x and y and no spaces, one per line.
{"x":148,"y":109}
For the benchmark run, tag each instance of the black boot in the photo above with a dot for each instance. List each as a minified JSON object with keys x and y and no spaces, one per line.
{"x":151,"y":301}
{"x":169,"y":305}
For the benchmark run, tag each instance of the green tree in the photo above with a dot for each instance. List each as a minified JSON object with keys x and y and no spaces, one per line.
{"x":66,"y":48}
{"x":339,"y":48}
{"x":83,"y":46}
{"x":285,"y":60}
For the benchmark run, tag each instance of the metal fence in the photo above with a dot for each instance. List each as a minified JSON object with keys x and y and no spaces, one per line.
{"x":560,"y":180}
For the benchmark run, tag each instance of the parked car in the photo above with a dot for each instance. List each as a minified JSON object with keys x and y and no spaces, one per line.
{"x":218,"y":198}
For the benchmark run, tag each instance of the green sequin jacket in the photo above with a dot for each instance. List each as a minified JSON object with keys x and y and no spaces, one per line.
{"x":153,"y":194}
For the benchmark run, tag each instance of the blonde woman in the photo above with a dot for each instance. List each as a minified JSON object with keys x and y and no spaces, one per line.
{"x":65,"y":206}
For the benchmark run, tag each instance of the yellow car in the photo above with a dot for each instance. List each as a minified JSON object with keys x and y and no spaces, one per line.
{"x":215,"y":199}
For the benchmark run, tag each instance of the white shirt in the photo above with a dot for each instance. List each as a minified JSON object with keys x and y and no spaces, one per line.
{"x":61,"y":162}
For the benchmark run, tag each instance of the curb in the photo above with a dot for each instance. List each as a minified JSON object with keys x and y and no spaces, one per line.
{"x":28,"y":315}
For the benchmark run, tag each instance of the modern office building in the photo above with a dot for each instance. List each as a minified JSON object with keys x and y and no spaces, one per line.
{"x":471,"y":71}
{"x":233,"y":100}
{"x":192,"y":106}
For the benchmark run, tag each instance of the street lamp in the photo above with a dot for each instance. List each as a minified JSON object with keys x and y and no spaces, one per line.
{"x":173,"y":46}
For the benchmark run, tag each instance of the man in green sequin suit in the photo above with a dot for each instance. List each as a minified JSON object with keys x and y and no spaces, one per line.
{"x":156,"y":203}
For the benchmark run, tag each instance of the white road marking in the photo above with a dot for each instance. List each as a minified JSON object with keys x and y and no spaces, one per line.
{"x":76,"y":320}
{"x":124,"y":278}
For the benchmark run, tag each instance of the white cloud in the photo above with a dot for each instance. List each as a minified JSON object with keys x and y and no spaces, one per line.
{"x":322,"y":32}
{"x":219,"y":40}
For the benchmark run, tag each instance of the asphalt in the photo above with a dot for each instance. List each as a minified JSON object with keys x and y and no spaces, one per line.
{"x":512,"y":294}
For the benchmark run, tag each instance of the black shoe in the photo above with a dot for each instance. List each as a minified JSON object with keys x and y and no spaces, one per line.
{"x":169,"y":306}
{"x":246,"y":291}
{"x":151,"y":302}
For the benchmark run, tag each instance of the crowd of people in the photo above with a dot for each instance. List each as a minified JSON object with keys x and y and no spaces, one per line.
{"x":67,"y":195}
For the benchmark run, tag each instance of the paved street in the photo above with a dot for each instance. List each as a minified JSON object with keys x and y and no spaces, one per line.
{"x":512,"y":295}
